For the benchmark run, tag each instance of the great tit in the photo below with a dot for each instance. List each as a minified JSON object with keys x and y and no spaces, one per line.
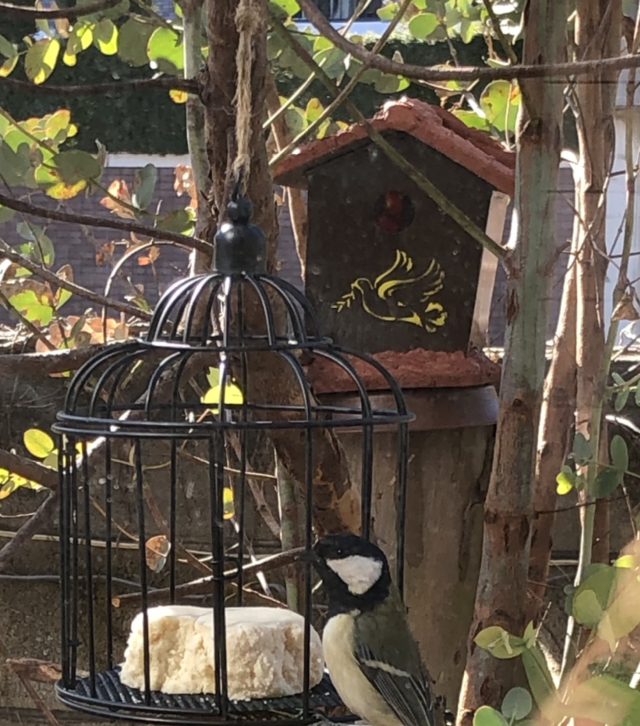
{"x":371,"y":656}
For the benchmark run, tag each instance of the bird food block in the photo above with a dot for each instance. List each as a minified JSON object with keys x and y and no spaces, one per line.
{"x":265,"y":649}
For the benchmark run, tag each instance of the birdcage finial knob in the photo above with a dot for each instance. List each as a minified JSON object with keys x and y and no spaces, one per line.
{"x":240,"y":247}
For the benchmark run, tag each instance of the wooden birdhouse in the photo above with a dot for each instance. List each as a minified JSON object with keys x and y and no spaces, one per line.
{"x":387,"y":271}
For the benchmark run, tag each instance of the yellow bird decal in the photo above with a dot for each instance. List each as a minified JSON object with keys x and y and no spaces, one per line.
{"x":400,"y":295}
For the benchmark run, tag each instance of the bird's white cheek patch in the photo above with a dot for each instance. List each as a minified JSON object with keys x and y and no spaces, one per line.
{"x":358,"y":573}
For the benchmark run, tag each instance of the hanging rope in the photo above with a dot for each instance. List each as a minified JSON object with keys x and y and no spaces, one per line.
{"x":248,"y":23}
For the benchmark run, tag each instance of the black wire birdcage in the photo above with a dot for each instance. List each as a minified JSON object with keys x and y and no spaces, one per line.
{"x":158,"y":443}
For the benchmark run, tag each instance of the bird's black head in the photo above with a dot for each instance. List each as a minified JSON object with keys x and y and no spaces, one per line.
{"x":355,"y":572}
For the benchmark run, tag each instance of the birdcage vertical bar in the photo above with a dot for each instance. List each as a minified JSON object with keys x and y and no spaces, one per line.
{"x":306,"y":677}
{"x":65,"y":557}
{"x":242,"y":476}
{"x":88,"y":565}
{"x":216,"y":486}
{"x":403,"y":459}
{"x":142,"y":539}
{"x":173,"y":516}
{"x":75,"y":557}
{"x":108,"y":510}
{"x":367,"y":481}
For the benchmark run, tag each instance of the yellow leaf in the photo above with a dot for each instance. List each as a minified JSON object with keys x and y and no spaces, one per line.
{"x":69,"y":59}
{"x":38,"y":443}
{"x":65,"y":191}
{"x":179,"y":96}
{"x":7,"y":488}
{"x":227,"y":503}
{"x":41,"y":59}
{"x":7,"y":67}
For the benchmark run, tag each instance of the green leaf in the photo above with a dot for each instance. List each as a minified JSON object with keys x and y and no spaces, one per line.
{"x":40,"y":248}
{"x":6,"y":69}
{"x":38,"y":443}
{"x":606,"y":482}
{"x":144,"y":186}
{"x":487,"y":716}
{"x":530,"y":635}
{"x":581,"y":449}
{"x":621,"y":400}
{"x":472,"y":119}
{"x":295,"y":120}
{"x":385,"y":83}
{"x":588,"y":610}
{"x":636,"y":396}
{"x":332,"y":62}
{"x":166,"y":50}
{"x":76,"y":166}
{"x":58,"y":125}
{"x":7,"y":49}
{"x":517,"y":704}
{"x":499,"y":643}
{"x":6,"y":214}
{"x":105,"y":37}
{"x":290,"y":7}
{"x":180,"y":221}
{"x":538,"y":676}
{"x":500,"y":101}
{"x":14,"y":164}
{"x":32,"y":307}
{"x":421,"y":26}
{"x":41,"y":59}
{"x":133,"y":40}
{"x":388,"y":12}
{"x":565,"y":480}
{"x":619,"y":454}
{"x":314,"y":110}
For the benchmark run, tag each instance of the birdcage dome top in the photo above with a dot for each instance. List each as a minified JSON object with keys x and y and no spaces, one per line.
{"x":219,"y":326}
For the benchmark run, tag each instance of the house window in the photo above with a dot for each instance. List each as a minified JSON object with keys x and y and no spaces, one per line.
{"x":343,"y":9}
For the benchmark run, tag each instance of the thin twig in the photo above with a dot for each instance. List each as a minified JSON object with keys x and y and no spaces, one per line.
{"x":72,"y":287}
{"x":28,"y":529}
{"x":58,"y":361}
{"x":104,"y":223}
{"x":22,"y":12}
{"x":203,"y":585}
{"x":34,"y":330}
{"x":29,"y":469}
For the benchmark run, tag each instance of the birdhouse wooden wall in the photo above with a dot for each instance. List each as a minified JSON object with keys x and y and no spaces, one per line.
{"x":386,"y":268}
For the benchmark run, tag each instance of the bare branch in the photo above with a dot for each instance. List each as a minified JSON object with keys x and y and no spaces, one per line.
{"x":97,"y":89}
{"x":26,"y":13}
{"x":28,"y":529}
{"x":58,"y":361}
{"x":29,"y":469}
{"x":72,"y":287}
{"x":462,"y":73}
{"x":104,"y":223}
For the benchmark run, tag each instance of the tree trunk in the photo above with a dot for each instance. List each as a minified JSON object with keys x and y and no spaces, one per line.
{"x":271,"y":379}
{"x":502,"y":587}
{"x":556,"y":424}
{"x":598,"y":35}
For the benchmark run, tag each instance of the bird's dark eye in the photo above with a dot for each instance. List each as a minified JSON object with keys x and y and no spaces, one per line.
{"x":339,"y":551}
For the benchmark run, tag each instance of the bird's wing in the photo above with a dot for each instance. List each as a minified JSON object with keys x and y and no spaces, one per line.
{"x":402,"y":261}
{"x":395,"y":670}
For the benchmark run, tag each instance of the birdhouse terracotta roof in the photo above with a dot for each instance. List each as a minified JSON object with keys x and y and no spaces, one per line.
{"x":434,"y":126}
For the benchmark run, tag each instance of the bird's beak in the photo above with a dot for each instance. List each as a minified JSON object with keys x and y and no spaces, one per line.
{"x":309,"y":556}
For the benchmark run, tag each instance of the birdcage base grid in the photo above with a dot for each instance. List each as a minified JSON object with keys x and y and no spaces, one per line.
{"x":113,"y":700}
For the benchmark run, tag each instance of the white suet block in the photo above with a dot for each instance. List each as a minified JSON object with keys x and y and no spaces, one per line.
{"x":264,"y":652}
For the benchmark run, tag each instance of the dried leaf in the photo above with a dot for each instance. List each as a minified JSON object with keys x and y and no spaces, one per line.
{"x":156,"y":552}
{"x":625,"y":309}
